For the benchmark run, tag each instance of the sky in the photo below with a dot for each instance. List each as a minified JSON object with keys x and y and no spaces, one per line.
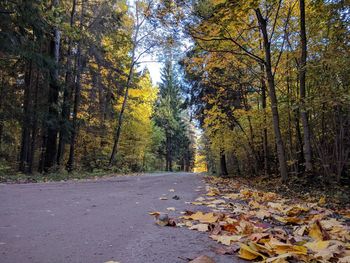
{"x":153,"y":66}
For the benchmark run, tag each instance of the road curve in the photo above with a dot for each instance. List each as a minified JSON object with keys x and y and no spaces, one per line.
{"x":99,"y":220}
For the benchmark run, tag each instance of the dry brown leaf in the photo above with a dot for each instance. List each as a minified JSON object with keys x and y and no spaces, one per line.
{"x":289,"y":220}
{"x":202,"y":259}
{"x":225,"y":239}
{"x":317,"y":246}
{"x":295,"y":210}
{"x":276,"y":206}
{"x":329,"y":252}
{"x":200,"y":227}
{"x":232,"y":228}
{"x":155,"y":213}
{"x":344,"y":259}
{"x":227,"y":250}
{"x":262,"y":214}
{"x":300,"y":231}
{"x":279,"y":259}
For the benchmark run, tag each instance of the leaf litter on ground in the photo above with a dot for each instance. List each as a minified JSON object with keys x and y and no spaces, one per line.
{"x":266,"y":227}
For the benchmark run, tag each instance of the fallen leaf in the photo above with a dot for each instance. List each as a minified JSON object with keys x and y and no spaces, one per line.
{"x":344,"y":260}
{"x":203,"y":217}
{"x":202,"y":259}
{"x":322,"y":200}
{"x":317,"y":232}
{"x":163,"y":198}
{"x":295,"y":210}
{"x":317,"y":246}
{"x":213,"y":192}
{"x":282,"y":248}
{"x":246,"y":252}
{"x":171,"y":209}
{"x":200,"y":227}
{"x":227,"y":250}
{"x":232,"y":228}
{"x":279,"y":259}
{"x":155,"y":213}
{"x":329,"y":252}
{"x":289,"y":220}
{"x":225,"y":239}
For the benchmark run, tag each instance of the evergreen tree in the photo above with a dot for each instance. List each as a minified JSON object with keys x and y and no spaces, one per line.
{"x":170,"y":117}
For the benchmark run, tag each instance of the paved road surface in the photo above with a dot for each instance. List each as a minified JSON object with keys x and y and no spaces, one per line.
{"x":97,"y":221}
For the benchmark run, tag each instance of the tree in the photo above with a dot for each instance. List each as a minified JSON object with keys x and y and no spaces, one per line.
{"x":142,"y":42}
{"x":302,"y":84}
{"x":170,"y":117}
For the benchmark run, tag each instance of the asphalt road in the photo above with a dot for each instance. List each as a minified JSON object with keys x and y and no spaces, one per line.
{"x":99,"y":220}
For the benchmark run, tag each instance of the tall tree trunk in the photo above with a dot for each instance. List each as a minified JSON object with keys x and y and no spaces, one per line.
{"x":273,"y":98}
{"x":135,"y":43}
{"x":299,"y":142}
{"x":71,"y":159}
{"x":170,"y":155}
{"x":265,"y":142}
{"x":121,"y":113}
{"x":52,"y":122}
{"x":302,"y":79}
{"x":120,"y":120}
{"x":67,"y":96}
{"x":223,"y":166}
{"x":290,"y":129}
{"x":2,"y":94}
{"x":25,"y":141}
{"x":34,"y":120}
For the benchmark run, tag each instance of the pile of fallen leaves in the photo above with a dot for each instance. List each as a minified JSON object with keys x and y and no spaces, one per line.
{"x":267,"y":227}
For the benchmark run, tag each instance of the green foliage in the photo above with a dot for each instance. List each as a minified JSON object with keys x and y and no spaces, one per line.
{"x":169,"y":116}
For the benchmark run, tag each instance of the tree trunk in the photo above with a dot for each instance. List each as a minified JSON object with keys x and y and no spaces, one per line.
{"x":52,"y":122}
{"x":170,"y":155}
{"x":223,"y":166}
{"x":265,"y":142}
{"x":25,"y":141}
{"x":71,"y":159}
{"x":273,"y":97}
{"x":120,"y":120}
{"x":135,"y":42}
{"x":2,"y":94}
{"x":302,"y":79}
{"x":67,"y":96}
{"x":34,"y":120}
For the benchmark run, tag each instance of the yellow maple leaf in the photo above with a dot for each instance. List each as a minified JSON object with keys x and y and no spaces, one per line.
{"x":225,"y":239}
{"x":246,"y":252}
{"x":317,"y":246}
{"x":203,"y":217}
{"x":315,"y":232}
{"x":282,"y":248}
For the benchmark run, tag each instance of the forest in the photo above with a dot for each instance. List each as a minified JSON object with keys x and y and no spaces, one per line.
{"x":247,"y":88}
{"x":196,"y":131}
